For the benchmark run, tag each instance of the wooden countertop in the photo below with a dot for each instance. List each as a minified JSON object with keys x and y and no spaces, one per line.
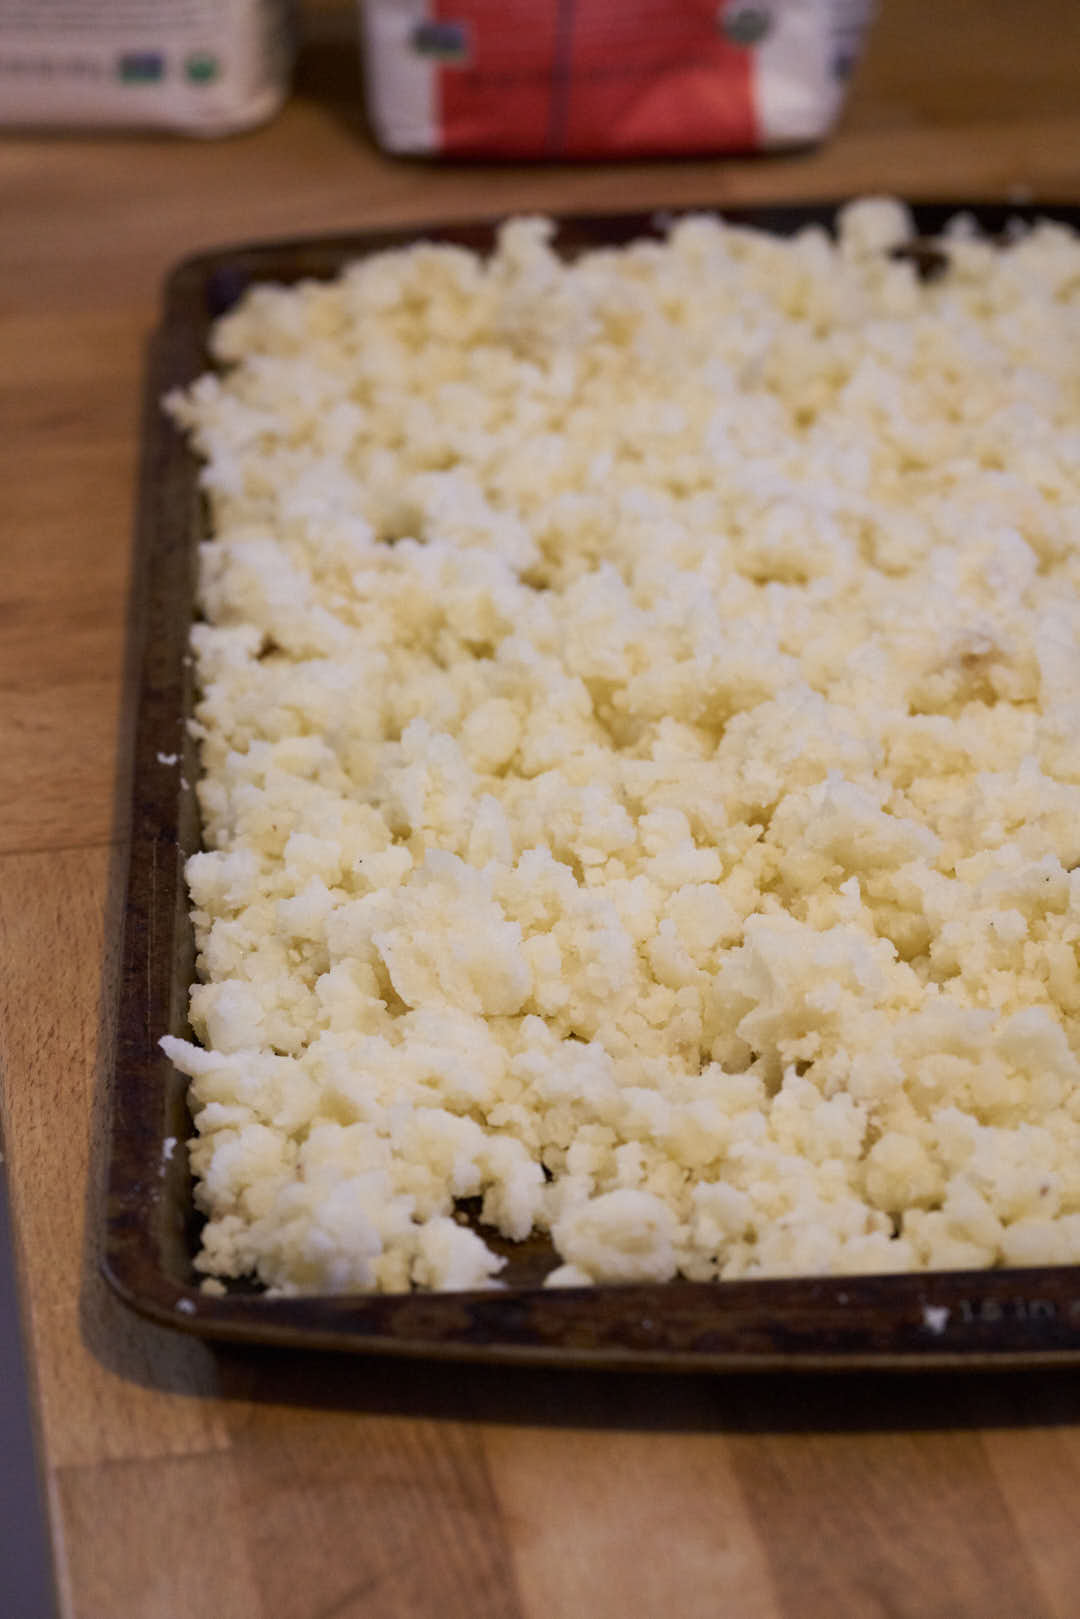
{"x":186,"y":1481}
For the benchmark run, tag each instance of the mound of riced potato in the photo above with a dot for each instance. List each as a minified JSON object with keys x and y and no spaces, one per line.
{"x":640,"y":723}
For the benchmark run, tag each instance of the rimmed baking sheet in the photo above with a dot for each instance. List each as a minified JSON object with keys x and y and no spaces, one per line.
{"x":935,"y":1319}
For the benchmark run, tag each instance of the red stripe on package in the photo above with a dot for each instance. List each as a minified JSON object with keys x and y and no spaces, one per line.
{"x":586,"y":77}
{"x":650,"y":76}
{"x":498,"y":95}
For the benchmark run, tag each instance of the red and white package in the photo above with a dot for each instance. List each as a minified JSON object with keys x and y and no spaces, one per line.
{"x":596,"y":78}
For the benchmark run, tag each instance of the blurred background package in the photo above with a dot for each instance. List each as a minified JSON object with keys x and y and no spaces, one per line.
{"x":195,"y":67}
{"x":606,"y":78}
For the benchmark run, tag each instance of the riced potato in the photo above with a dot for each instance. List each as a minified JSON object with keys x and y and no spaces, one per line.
{"x":640,"y":723}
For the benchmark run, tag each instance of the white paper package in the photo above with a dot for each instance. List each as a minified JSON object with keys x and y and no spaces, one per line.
{"x":195,"y":67}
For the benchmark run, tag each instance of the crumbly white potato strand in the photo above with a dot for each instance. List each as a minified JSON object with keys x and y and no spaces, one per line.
{"x":640,"y":722}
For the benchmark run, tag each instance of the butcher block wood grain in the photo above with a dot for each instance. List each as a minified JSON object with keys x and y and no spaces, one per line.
{"x":185,"y":1480}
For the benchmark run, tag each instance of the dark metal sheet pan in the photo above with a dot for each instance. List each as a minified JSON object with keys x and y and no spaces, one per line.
{"x":938,"y":1319}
